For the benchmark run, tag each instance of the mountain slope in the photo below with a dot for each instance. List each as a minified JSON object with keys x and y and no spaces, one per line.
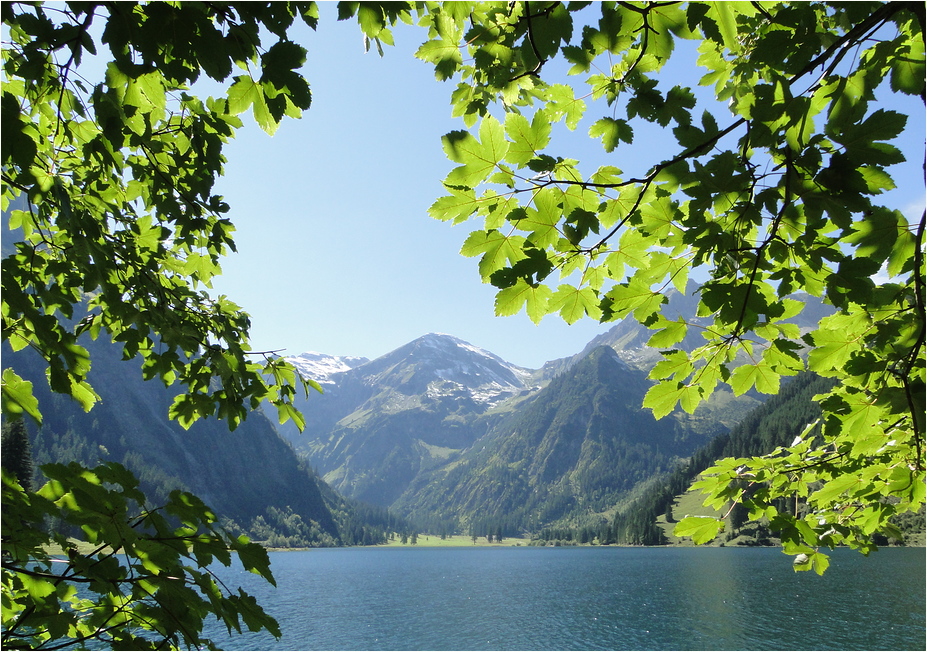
{"x":577,"y":447}
{"x":320,"y":367}
{"x":240,"y":474}
{"x":380,"y":424}
{"x":772,"y":424}
{"x":629,"y":338}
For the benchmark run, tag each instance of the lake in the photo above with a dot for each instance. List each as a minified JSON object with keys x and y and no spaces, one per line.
{"x":587,"y":598}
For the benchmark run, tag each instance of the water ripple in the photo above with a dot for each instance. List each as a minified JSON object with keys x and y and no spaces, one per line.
{"x":588,"y":599}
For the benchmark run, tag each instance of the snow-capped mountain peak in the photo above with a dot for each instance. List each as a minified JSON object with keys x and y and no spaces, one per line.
{"x":440,"y":360}
{"x":320,"y":367}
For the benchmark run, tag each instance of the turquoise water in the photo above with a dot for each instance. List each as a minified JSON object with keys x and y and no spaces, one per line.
{"x":586,"y":599}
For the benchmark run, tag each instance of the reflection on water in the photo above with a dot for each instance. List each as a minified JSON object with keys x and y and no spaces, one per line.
{"x":587,"y":598}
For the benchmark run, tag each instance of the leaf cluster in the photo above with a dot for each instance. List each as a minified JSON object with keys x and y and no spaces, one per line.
{"x":771,"y":190}
{"x":139,"y":579}
{"x":109,"y":186}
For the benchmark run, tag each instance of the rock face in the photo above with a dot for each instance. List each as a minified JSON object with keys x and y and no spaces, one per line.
{"x":580,"y":445}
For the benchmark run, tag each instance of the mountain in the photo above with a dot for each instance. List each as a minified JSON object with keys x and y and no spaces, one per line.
{"x":250,"y":476}
{"x":437,"y":430}
{"x":386,"y":428}
{"x":579,"y":446}
{"x":320,"y":367}
{"x":629,"y":337}
{"x":444,"y":432}
{"x":648,"y":518}
{"x":773,"y":423}
{"x":381,"y":423}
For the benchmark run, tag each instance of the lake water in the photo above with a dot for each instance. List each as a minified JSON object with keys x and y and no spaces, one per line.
{"x":586,"y":598}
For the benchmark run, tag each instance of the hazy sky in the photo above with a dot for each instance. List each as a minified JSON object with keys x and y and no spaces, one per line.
{"x":336,"y":251}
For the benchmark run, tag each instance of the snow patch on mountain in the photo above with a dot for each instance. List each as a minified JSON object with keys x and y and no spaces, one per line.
{"x":461,"y":367}
{"x":459,"y":361}
{"x":320,"y":367}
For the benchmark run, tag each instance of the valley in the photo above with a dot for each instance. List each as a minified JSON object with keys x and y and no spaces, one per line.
{"x":438,"y":438}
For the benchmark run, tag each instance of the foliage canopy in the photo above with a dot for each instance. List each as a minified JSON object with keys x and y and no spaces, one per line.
{"x":772,"y":190}
{"x":142,"y":583}
{"x":111,"y":184}
{"x":114,"y":181}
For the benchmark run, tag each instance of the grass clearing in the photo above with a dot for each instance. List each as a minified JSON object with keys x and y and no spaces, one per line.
{"x":455,"y":541}
{"x":688,"y":504}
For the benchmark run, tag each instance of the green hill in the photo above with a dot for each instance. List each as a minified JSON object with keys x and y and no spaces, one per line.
{"x":650,"y":518}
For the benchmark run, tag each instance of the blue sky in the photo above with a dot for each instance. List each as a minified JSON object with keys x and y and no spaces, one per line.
{"x":336,"y":251}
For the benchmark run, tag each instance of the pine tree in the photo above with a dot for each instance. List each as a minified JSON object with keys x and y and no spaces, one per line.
{"x":16,"y":454}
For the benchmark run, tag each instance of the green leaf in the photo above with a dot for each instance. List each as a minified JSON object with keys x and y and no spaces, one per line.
{"x":836,"y":488}
{"x":456,"y":208}
{"x":542,"y":220}
{"x":535,"y":299}
{"x":254,"y":558}
{"x":670,"y":333}
{"x":246,"y":93}
{"x":835,"y":341}
{"x":702,"y":529}
{"x":574,"y":303}
{"x":674,"y":363}
{"x":479,"y":157}
{"x":635,"y":297}
{"x":805,"y":561}
{"x":84,"y":394}
{"x":725,"y":16}
{"x":445,"y":55}
{"x":659,"y":215}
{"x":286,"y":411}
{"x":496,"y":248}
{"x":611,"y":131}
{"x":18,"y":397}
{"x":746,"y":376}
{"x":38,"y":588}
{"x":663,"y":397}
{"x":908,"y":69}
{"x":243,"y":93}
{"x":528,"y":139}
{"x":562,"y":103}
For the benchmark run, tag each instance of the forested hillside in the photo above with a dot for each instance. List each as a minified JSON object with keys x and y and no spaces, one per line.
{"x":775,"y":423}
{"x":250,"y":476}
{"x":647,"y":519}
{"x":577,"y":447}
{"x":449,"y":435}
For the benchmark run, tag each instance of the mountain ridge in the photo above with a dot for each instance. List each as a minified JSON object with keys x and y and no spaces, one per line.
{"x":388,"y":427}
{"x":583,"y":443}
{"x":251,"y":477}
{"x":441,"y":431}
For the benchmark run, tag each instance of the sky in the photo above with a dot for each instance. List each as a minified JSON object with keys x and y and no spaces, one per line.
{"x":336,"y":251}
